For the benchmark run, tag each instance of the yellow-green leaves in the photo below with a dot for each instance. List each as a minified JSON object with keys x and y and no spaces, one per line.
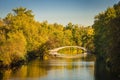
{"x":21,"y":34}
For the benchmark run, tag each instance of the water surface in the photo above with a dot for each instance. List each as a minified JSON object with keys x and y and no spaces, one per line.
{"x":54,"y":69}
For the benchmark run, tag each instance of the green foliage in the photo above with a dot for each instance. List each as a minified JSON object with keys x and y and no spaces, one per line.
{"x":21,"y":36}
{"x":71,"y":51}
{"x":106,"y":39}
{"x":13,"y":48}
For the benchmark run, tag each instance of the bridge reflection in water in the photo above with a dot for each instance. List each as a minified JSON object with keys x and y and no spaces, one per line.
{"x":54,"y":52}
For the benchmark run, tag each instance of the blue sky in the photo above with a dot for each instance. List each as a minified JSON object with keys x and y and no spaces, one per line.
{"x":61,"y":11}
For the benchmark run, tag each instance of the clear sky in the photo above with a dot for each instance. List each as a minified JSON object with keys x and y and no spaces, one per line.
{"x":60,"y":11}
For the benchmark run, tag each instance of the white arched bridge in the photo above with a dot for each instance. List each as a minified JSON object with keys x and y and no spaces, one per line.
{"x":54,"y":52}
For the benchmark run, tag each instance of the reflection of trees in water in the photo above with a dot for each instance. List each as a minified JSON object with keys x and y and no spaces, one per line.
{"x":89,"y":57}
{"x":5,"y":74}
{"x":32,"y":70}
{"x":38,"y":69}
{"x":101,"y":72}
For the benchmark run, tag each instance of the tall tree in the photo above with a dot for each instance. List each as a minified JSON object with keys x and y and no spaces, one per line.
{"x":106,"y":39}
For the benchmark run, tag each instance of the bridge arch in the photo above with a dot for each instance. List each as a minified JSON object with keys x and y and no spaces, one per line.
{"x":55,"y":50}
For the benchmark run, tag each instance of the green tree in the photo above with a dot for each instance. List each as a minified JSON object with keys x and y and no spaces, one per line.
{"x":106,"y":39}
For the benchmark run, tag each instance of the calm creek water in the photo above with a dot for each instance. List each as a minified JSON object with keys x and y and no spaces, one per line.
{"x":57,"y":69}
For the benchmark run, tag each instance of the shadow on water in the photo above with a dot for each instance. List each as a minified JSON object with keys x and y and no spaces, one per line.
{"x":66,"y":69}
{"x":102,"y":71}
